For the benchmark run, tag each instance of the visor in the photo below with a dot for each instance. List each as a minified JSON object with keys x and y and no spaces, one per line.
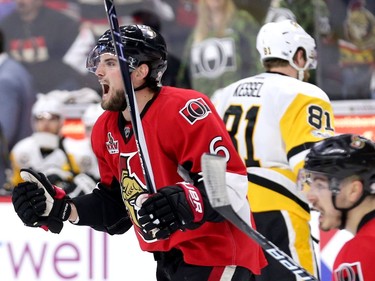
{"x":46,"y":116}
{"x":308,"y":180}
{"x":93,"y":58}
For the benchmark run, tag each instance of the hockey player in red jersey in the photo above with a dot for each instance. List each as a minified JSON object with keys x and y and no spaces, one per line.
{"x":339,"y":177}
{"x":190,"y":240}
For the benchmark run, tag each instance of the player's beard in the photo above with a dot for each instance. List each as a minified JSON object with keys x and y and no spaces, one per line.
{"x":115,"y":103}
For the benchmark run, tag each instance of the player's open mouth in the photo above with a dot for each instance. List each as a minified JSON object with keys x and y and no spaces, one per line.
{"x":321,"y":214}
{"x":319,"y":210}
{"x":105,"y":88}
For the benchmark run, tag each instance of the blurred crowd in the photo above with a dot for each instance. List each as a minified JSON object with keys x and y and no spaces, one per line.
{"x":44,"y":82}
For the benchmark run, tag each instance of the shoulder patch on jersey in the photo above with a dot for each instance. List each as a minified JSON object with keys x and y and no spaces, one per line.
{"x":112,"y":144}
{"x":349,"y":272}
{"x":321,"y":134}
{"x":194,"y":110}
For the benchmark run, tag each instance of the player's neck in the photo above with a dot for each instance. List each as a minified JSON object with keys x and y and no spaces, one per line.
{"x":143,"y":97}
{"x":356,"y":215}
{"x":286,"y":70}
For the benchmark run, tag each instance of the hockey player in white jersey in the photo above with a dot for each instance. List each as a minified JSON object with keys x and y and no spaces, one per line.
{"x":273,"y":119}
{"x":67,"y":162}
{"x":84,"y":157}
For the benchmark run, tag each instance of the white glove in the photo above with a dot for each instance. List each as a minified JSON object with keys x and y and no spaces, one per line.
{"x":85,"y":184}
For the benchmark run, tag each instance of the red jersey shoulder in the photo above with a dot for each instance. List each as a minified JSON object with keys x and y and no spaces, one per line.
{"x":190,"y":105}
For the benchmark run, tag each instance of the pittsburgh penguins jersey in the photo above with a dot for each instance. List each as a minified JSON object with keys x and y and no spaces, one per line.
{"x":273,"y":119}
{"x":356,"y":258}
{"x":179,"y":126}
{"x":81,"y":152}
{"x":43,"y":152}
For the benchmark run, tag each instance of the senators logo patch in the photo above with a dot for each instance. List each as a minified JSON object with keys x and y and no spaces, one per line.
{"x":194,"y":110}
{"x":349,"y":272}
{"x":357,"y":142}
{"x":133,"y":191}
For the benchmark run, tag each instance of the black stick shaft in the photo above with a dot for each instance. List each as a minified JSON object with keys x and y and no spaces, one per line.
{"x":130,"y":96}
{"x":214,"y":170}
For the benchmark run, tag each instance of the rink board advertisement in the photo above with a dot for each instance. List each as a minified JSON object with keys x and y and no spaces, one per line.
{"x":355,"y":116}
{"x":78,"y":253}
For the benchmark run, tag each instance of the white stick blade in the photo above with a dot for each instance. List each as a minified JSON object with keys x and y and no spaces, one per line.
{"x":214,"y":169}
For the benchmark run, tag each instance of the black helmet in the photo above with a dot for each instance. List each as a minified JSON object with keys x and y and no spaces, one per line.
{"x":342,"y":156}
{"x":142,"y":45}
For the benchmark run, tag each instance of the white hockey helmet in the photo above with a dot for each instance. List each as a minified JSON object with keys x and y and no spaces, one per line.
{"x":46,"y":105}
{"x":91,"y":114}
{"x":282,"y":39}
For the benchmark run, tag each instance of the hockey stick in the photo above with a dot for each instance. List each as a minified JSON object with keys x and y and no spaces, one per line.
{"x":214,"y":169}
{"x":130,"y":96}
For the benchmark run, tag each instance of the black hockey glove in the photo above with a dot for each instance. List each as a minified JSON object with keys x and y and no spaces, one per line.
{"x":29,"y":202}
{"x":170,"y":209}
{"x":40,"y":204}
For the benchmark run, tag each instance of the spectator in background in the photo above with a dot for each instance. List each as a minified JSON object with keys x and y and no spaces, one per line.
{"x":180,"y":29}
{"x":347,"y":44}
{"x":45,"y":41}
{"x":357,"y":51}
{"x":257,"y":8}
{"x":93,"y":13}
{"x":303,"y":10}
{"x":221,"y":49}
{"x":17,"y":97}
{"x":328,"y":73}
{"x":46,"y":150}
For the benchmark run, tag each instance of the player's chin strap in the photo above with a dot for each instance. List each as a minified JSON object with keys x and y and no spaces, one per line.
{"x":144,"y":85}
{"x":149,"y":82}
{"x":300,"y":70}
{"x":301,"y":74}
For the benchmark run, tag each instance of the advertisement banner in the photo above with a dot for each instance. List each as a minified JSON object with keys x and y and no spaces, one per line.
{"x":78,"y":253}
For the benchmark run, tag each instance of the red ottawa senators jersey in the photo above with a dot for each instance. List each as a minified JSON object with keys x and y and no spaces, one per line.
{"x":179,"y":126}
{"x":355,"y":260}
